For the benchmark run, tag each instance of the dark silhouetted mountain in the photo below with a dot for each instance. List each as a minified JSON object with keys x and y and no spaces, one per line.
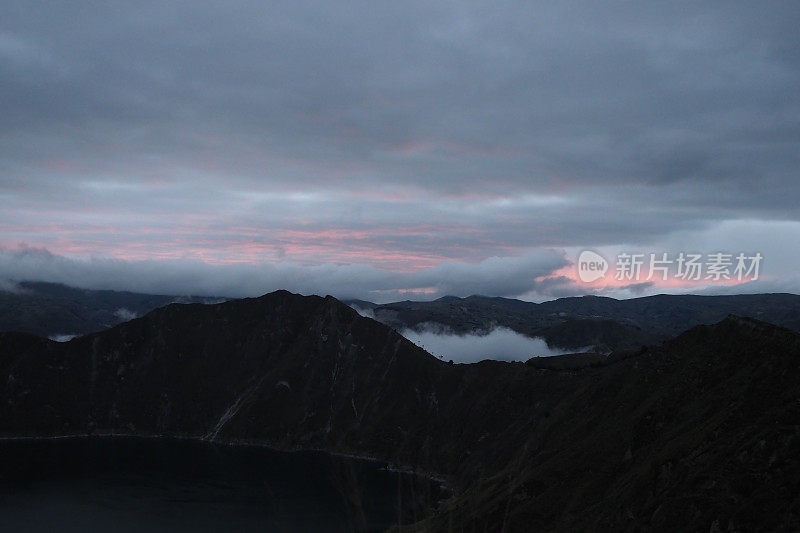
{"x":701,"y":433}
{"x":49,"y":309}
{"x":589,"y":321}
{"x":670,"y":315}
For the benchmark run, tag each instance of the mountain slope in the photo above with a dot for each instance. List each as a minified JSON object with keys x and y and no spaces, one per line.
{"x":207,"y":370}
{"x":702,"y":430}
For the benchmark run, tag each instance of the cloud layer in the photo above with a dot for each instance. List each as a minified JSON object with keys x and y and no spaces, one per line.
{"x":446,"y":143}
{"x":506,"y":276}
{"x":501,"y":344}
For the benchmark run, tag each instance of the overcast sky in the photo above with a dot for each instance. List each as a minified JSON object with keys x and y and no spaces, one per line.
{"x":403,"y":149}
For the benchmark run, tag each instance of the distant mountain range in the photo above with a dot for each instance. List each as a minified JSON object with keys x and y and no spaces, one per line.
{"x":602,"y":324}
{"x":51,"y":309}
{"x":587,"y":323}
{"x":700,"y":433}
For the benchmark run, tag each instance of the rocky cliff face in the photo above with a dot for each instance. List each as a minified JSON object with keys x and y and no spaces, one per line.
{"x":701,"y":431}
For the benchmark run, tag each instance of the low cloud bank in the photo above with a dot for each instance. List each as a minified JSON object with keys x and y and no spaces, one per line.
{"x":534,"y":277}
{"x":501,"y":344}
{"x":363,"y":311}
{"x":125,"y":314}
{"x":10,"y":287}
{"x":500,"y":276}
{"x":63,"y":337}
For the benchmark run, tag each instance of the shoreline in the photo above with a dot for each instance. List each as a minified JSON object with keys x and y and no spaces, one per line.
{"x":384,"y":464}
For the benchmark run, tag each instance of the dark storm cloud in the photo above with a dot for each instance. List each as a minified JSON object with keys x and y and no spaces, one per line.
{"x":402,"y":135}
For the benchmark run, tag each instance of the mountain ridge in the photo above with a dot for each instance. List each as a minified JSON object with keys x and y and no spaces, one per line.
{"x":523,"y":446}
{"x":604,"y":323}
{"x":600,"y":324}
{"x":50,"y":309}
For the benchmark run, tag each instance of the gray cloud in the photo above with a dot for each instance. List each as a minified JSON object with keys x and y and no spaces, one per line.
{"x":357,"y":137}
{"x":9,"y":286}
{"x":503,"y":276}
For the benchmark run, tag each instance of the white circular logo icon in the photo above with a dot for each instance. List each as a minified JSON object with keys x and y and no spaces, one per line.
{"x":591,"y":266}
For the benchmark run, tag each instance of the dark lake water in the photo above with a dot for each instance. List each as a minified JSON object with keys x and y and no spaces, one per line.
{"x":126,"y":484}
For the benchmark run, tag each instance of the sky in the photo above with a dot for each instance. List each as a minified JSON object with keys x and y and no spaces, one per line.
{"x":402,"y":150}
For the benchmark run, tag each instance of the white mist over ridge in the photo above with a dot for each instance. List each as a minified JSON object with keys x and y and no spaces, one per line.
{"x":63,"y":337}
{"x":501,"y":344}
{"x":363,"y":311}
{"x":125,"y":314}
